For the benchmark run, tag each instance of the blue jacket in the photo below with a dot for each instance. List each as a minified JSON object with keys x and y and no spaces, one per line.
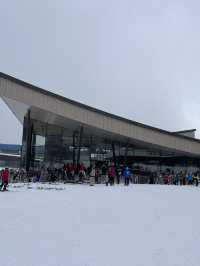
{"x":189,"y":177}
{"x":127,"y":173}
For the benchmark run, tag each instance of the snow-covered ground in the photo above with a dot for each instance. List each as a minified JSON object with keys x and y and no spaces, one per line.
{"x":78,"y":225}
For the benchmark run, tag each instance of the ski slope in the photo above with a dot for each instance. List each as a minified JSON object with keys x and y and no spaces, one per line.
{"x":78,"y":225}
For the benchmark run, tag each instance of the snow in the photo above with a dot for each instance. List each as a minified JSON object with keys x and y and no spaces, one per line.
{"x":78,"y":225}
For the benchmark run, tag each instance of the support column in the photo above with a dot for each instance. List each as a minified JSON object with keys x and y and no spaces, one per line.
{"x":115,"y":161}
{"x":23,"y":148}
{"x":126,"y":153}
{"x":29,"y":130}
{"x":114,"y":154}
{"x":79,"y":145}
{"x":74,"y":148}
{"x":90,"y":149}
{"x":33,"y":143}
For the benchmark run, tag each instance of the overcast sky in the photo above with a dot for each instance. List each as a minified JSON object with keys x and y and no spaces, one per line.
{"x":136,"y":58}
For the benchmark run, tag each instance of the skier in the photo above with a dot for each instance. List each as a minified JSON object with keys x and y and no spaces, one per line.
{"x":127,"y":176}
{"x":5,"y":179}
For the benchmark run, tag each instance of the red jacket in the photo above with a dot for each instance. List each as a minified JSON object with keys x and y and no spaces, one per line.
{"x":5,"y":175}
{"x":111,"y":171}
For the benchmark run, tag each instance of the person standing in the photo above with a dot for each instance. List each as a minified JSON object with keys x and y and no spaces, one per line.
{"x":82,"y":174}
{"x":92,"y":176}
{"x":111,"y":175}
{"x":176,"y":179}
{"x":151,"y":178}
{"x":189,"y":179}
{"x":184,"y":178}
{"x":97,"y":176}
{"x":5,"y":179}
{"x":104,"y":174}
{"x":181,"y":178}
{"x":127,"y":176}
{"x":196,"y":179}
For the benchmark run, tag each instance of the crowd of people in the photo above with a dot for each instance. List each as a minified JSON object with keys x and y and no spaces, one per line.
{"x":97,"y":173}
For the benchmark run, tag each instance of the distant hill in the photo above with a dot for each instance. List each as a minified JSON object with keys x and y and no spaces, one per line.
{"x":10,"y":148}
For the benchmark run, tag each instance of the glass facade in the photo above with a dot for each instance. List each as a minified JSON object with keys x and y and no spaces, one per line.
{"x":51,"y":144}
{"x":9,"y":163}
{"x":46,"y":144}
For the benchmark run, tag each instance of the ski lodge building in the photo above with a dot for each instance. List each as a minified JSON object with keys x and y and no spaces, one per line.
{"x":58,"y":130}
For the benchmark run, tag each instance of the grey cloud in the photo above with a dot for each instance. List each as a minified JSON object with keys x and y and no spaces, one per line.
{"x":138,"y":59}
